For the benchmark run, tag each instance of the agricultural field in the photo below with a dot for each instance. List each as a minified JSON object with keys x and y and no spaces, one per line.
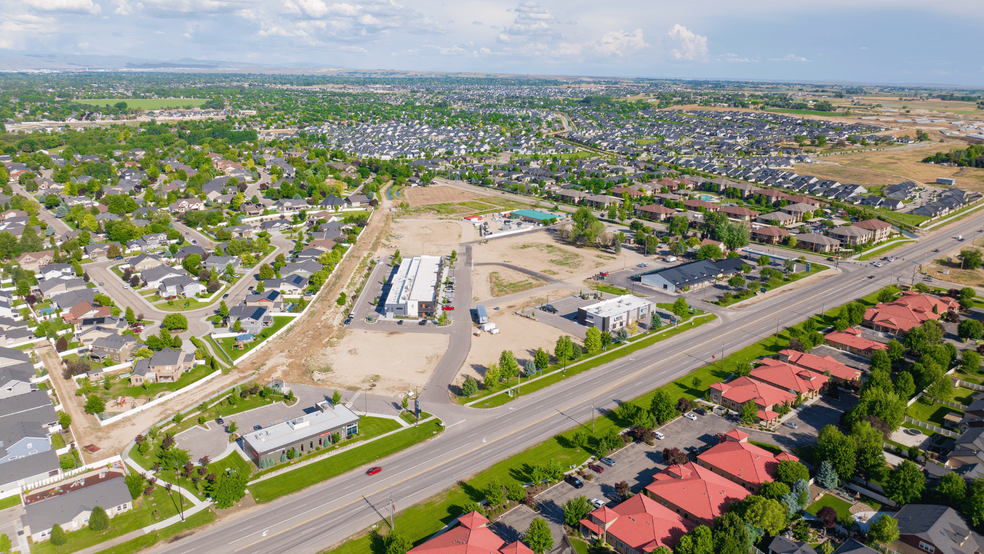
{"x":147,"y":103}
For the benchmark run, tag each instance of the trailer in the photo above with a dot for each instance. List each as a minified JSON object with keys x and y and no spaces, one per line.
{"x":487,"y":327}
{"x":482,"y":316}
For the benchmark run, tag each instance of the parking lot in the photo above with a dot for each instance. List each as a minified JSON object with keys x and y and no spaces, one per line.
{"x":565,"y":318}
{"x":636,"y":464}
{"x":811,"y":419}
{"x":377,"y":288}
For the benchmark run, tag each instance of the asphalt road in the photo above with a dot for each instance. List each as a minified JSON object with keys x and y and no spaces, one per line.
{"x":325,"y":514}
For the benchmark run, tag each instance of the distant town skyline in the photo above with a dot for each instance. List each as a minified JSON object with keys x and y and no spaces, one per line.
{"x":874,"y":41}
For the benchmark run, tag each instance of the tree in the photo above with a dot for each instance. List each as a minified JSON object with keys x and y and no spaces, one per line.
{"x":94,"y":405}
{"x":774,"y":489}
{"x":869,"y":444}
{"x":674,"y":456}
{"x":656,"y":321}
{"x":828,"y":516}
{"x":61,"y":344}
{"x":905,"y":483}
{"x":4,"y":544}
{"x":64,"y":419}
{"x":840,"y":450}
{"x":397,"y":543}
{"x":736,"y":281}
{"x":563,"y":350}
{"x":470,"y":387}
{"x":592,"y":340}
{"x":885,"y":530}
{"x":680,"y":308}
{"x":98,"y":520}
{"x":661,"y":406}
{"x":709,"y":252}
{"x":970,"y":361}
{"x":941,"y":388}
{"x":731,"y":535}
{"x":678,"y":225}
{"x":58,"y":537}
{"x":766,"y":513}
{"x":791,"y":471}
{"x":971,"y":258}
{"x":542,"y":359}
{"x":538,"y":536}
{"x":905,"y":386}
{"x":952,"y":490}
{"x":266,"y":272}
{"x":336,"y":397}
{"x":576,"y":509}
{"x":827,"y":475}
{"x":974,"y":506}
{"x":880,"y":360}
{"x":492,"y":377}
{"x":970,"y":329}
{"x":697,"y":541}
{"x":606,"y":340}
{"x":896,"y":351}
{"x":763,"y":260}
{"x":223,"y":310}
{"x":495,"y":495}
{"x":130,"y":318}
{"x":23,"y":287}
{"x":749,"y":412}
{"x":508,"y":365}
{"x":135,"y":484}
{"x":191,"y":263}
{"x":227,"y":489}
{"x":174,"y":321}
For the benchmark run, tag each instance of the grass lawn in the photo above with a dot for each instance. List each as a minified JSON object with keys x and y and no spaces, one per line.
{"x":122,"y":387}
{"x":602,"y":287}
{"x":137,"y":518}
{"x":10,"y":502}
{"x":580,"y":547}
{"x":332,"y":466}
{"x":756,"y":285}
{"x":203,"y":517}
{"x":182,"y":305}
{"x":963,"y":396}
{"x":233,"y":461}
{"x":57,"y":441}
{"x":907,"y":218}
{"x":842,"y":507}
{"x":145,"y":103}
{"x":977,"y":378}
{"x":767,"y":447}
{"x":879,"y":252}
{"x":930,"y":413}
{"x":229,"y":343}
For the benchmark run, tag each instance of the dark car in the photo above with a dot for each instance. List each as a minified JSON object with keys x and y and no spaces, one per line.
{"x":257,"y":427}
{"x":399,"y":322}
{"x":596,"y":468}
{"x":219,"y":420}
{"x":613,"y":497}
{"x":700,"y":411}
{"x":574,"y":481}
{"x":422,"y":322}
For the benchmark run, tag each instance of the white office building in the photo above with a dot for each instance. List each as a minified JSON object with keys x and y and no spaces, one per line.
{"x":613,"y":314}
{"x":413,"y":292}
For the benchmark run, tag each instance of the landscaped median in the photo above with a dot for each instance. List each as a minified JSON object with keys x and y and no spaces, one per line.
{"x":556,"y":372}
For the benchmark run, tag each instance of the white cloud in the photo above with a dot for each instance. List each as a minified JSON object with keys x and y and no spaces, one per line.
{"x":69,"y":6}
{"x":503,"y":38}
{"x":620,"y":43}
{"x":351,"y":48}
{"x":123,"y":8}
{"x":684,"y":44}
{"x":735,"y":58}
{"x":790,"y":58}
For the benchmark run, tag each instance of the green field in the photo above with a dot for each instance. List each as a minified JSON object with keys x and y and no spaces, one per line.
{"x":146,"y":103}
{"x":842,"y":507}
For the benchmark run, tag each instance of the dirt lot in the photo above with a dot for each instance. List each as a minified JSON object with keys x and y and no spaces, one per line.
{"x":934,"y":268}
{"x":494,"y":281}
{"x":436,"y":194}
{"x":519,"y":334}
{"x":427,"y":236}
{"x":542,"y":254}
{"x":393,"y":362}
{"x":894,"y":166}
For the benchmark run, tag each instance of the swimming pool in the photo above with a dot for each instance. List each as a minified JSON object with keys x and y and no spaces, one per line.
{"x":706,"y":197}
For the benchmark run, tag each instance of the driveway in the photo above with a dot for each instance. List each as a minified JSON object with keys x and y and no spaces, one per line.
{"x":811,"y":419}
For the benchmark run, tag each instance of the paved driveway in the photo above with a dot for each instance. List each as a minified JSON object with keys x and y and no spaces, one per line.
{"x":811,"y":419}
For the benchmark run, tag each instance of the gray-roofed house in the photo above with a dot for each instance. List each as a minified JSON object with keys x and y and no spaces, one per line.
{"x":691,"y":275}
{"x":271,"y":299}
{"x":219,"y":263}
{"x":852,"y":235}
{"x":156,"y":275}
{"x":51,"y":289}
{"x":72,"y":508}
{"x":357,"y":200}
{"x":166,"y":366}
{"x":16,"y":372}
{"x":252,"y":319}
{"x":782,"y":545}
{"x":144,"y":262}
{"x":292,"y":284}
{"x":935,"y":529}
{"x":113,"y":347}
{"x":854,"y":547}
{"x":305,"y":268}
{"x":188,"y":250}
{"x":182,"y":285}
{"x":26,"y":456}
{"x":57,"y":271}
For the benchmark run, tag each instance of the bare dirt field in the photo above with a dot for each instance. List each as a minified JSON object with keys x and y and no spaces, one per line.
{"x":935,"y":268}
{"x":388,"y":362}
{"x":519,"y":334}
{"x":436,"y":194}
{"x":494,"y":281}
{"x":426,"y":236}
{"x":894,"y":166}
{"x":541,"y":253}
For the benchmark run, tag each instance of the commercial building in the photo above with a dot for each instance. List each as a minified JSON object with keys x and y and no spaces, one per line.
{"x":413,"y":290}
{"x":533,"y":216}
{"x":693,"y":275}
{"x":613,"y":314}
{"x":911,"y":310}
{"x":640,"y":524}
{"x":741,"y":461}
{"x":694,"y":492}
{"x":469,"y":536}
{"x":303,"y":434}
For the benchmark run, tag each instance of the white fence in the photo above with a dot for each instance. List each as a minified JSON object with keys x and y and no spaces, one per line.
{"x":165,"y":398}
{"x":65,"y":475}
{"x":931,"y":427}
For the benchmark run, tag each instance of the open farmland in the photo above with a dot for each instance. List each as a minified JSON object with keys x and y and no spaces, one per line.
{"x":896,"y":165}
{"x":147,"y":103}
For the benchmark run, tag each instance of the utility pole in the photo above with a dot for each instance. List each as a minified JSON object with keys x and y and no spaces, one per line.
{"x":777,"y":331}
{"x":592,"y":416}
{"x":392,"y":509}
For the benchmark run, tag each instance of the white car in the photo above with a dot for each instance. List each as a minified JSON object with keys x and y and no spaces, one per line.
{"x":691,"y":416}
{"x":598,"y":503}
{"x":659,"y":435}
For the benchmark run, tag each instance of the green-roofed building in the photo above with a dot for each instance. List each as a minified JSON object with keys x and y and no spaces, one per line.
{"x":535,"y":216}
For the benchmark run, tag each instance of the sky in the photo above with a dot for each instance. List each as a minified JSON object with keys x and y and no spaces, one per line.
{"x":862,"y":41}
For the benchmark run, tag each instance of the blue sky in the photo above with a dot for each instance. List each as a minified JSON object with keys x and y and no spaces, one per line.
{"x":874,"y":41}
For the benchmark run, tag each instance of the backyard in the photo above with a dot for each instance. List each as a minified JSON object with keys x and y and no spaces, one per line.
{"x":229,"y":343}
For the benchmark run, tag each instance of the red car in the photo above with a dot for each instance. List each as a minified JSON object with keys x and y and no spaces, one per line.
{"x":448,"y":308}
{"x":596,"y":468}
{"x":374,"y":470}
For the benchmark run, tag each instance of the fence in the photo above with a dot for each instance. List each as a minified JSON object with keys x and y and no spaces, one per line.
{"x":870,"y":493}
{"x":931,"y":427}
{"x":966,"y":385}
{"x":66,"y":474}
{"x":165,"y":398}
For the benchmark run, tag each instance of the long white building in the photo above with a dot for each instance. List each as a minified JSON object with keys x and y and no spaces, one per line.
{"x":413,"y":292}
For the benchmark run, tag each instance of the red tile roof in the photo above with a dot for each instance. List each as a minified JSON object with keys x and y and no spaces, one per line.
{"x":743,"y":389}
{"x":470,"y":536}
{"x":909,"y":311}
{"x":643,"y":524}
{"x":821,"y":364}
{"x":742,"y":460}
{"x":696,"y":490}
{"x":873,"y":224}
{"x":852,"y":338}
{"x":788,"y":377}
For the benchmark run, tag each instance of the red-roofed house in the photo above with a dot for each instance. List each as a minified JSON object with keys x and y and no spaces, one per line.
{"x":739,"y":212}
{"x":907,"y":312}
{"x":736,"y":393}
{"x":850,"y":340}
{"x":821,"y":364}
{"x":654,"y":212}
{"x":789,"y":377}
{"x":638,"y":525}
{"x":742,"y":462}
{"x":694,"y":492}
{"x":470,"y":536}
{"x":769,"y":234}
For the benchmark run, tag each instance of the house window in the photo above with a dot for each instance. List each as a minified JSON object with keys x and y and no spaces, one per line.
{"x":927,"y":547}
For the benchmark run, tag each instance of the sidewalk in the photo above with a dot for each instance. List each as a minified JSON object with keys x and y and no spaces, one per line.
{"x":141,"y":532}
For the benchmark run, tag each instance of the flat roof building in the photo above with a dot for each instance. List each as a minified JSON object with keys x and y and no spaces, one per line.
{"x":534,"y":216}
{"x":267,"y":447}
{"x":615,"y":313}
{"x":413,"y":290}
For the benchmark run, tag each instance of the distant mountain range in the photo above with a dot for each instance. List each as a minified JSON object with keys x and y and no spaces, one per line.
{"x":11,"y":60}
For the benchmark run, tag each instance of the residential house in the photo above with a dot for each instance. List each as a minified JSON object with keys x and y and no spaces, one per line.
{"x":935,"y":529}
{"x":739,"y":213}
{"x":183,"y":285}
{"x":32,"y":261}
{"x":769,"y":234}
{"x":187,"y":205}
{"x":84,"y":309}
{"x":851,"y":340}
{"x":51,"y":289}
{"x":218,"y":264}
{"x":270,"y":299}
{"x":911,"y":310}
{"x":26,"y":455}
{"x":252,"y":319}
{"x":166,"y":366}
{"x":305,"y":268}
{"x":779,"y":219}
{"x":879,"y":228}
{"x":654,"y":212}
{"x":357,"y":200}
{"x":101,"y":249}
{"x":807,"y":384}
{"x":144,"y":262}
{"x":694,"y":492}
{"x":16,"y":372}
{"x":154,"y":276}
{"x":741,"y":461}
{"x":51,"y":272}
{"x":469,"y":535}
{"x":822,"y":365}
{"x":852,"y":546}
{"x":637,"y":525}
{"x":188,"y":250}
{"x":736,"y":393}
{"x":782,"y":545}
{"x":276,"y":225}
{"x":799,"y":211}
{"x":116,"y":348}
{"x":817,"y":242}
{"x":293,"y":285}
{"x":70,"y":505}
